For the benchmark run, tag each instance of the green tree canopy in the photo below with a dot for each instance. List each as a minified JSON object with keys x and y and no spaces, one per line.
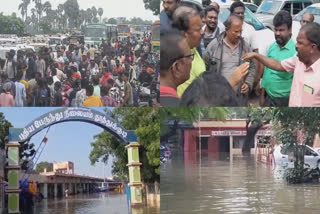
{"x":146,"y":122}
{"x":4,"y":130}
{"x":44,"y":165}
{"x":153,"y":5}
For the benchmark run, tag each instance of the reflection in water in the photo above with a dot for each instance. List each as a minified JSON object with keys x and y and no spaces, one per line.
{"x":222,"y":184}
{"x":111,"y":203}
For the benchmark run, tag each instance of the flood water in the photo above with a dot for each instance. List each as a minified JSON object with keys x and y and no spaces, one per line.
{"x":220,"y":184}
{"x":98,"y":203}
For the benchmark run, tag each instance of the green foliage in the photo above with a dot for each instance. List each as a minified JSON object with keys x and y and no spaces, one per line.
{"x":190,"y":115}
{"x":71,"y":10}
{"x":292,"y":176}
{"x":4,"y":130}
{"x":153,"y":5}
{"x":11,"y":25}
{"x":146,"y":123}
{"x":112,"y":21}
{"x":45,"y":27}
{"x":42,"y":165}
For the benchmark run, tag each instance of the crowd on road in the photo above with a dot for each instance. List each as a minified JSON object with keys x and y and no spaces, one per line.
{"x":208,"y":63}
{"x":119,"y":73}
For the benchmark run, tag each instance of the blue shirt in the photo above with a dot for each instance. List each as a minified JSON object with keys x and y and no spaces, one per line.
{"x":165,"y":24}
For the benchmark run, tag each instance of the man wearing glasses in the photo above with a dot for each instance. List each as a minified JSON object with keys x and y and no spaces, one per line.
{"x":188,"y":21}
{"x":175,"y":65}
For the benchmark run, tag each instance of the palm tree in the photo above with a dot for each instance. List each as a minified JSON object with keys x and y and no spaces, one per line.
{"x":100,"y":12}
{"x":94,"y":12}
{"x":23,"y":6}
{"x":89,"y":15}
{"x":46,"y":7}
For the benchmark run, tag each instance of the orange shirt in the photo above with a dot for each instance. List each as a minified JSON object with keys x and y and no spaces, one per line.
{"x":92,"y":101}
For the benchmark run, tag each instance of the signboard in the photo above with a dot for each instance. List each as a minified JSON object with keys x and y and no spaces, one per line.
{"x":264,"y":133}
{"x":240,"y":133}
{"x":229,"y":133}
{"x":73,"y":114}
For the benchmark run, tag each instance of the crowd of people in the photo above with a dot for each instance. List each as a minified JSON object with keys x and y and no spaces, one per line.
{"x":115,"y":73}
{"x":208,"y":63}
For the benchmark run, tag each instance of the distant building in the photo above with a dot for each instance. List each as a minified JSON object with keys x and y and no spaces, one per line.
{"x":63,"y":167}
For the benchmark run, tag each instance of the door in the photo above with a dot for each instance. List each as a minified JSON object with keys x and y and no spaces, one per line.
{"x":311,"y":158}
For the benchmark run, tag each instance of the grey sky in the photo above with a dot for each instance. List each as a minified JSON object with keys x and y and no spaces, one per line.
{"x":112,"y":8}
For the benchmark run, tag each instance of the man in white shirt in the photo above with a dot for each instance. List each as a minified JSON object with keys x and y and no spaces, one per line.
{"x":248,"y":32}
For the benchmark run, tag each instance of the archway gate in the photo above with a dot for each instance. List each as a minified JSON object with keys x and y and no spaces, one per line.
{"x":61,"y":115}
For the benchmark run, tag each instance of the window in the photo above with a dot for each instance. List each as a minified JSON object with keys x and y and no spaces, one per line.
{"x":287,"y":7}
{"x":297,"y":7}
{"x":306,"y":4}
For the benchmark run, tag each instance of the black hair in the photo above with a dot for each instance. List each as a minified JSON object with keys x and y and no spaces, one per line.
{"x":110,"y":81}
{"x":84,"y":83}
{"x":89,"y":90}
{"x":73,"y":68}
{"x":312,"y":31}
{"x":57,"y":85}
{"x":206,"y":3}
{"x":181,"y":17}
{"x":282,"y":17}
{"x":169,"y":49}
{"x":103,"y":91}
{"x":209,"y":9}
{"x":235,"y":5}
{"x":126,"y":74}
{"x":210,"y":89}
{"x":95,"y":80}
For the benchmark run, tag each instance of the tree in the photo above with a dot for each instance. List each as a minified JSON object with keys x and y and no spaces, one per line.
{"x":24,"y":8}
{"x":4,"y":130}
{"x":146,"y":122}
{"x":189,"y":115}
{"x":296,"y":127}
{"x":11,"y":25}
{"x":72,"y":12}
{"x":153,"y":5}
{"x":256,"y":118}
{"x":100,"y":12}
{"x":45,"y":27}
{"x":112,"y":21}
{"x":44,"y":165}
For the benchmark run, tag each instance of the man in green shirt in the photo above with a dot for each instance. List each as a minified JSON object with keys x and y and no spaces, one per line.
{"x":277,"y":85}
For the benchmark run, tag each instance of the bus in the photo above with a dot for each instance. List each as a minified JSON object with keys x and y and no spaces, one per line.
{"x":155,"y":37}
{"x":95,"y":33}
{"x":123,"y":31}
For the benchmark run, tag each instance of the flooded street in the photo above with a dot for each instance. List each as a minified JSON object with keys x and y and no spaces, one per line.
{"x":220,"y":184}
{"x":111,"y":203}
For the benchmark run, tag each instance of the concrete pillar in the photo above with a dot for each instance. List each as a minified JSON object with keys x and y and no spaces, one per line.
{"x":70,"y":188}
{"x":231,"y":145}
{"x":45,"y":190}
{"x":134,"y":174}
{"x":75,"y":188}
{"x":63,"y":189}
{"x":13,"y":176}
{"x":55,"y":190}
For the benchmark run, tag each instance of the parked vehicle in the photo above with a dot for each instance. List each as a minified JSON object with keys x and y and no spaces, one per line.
{"x":269,"y":8}
{"x":284,"y":159}
{"x":252,"y":7}
{"x":313,"y":9}
{"x":264,"y":35}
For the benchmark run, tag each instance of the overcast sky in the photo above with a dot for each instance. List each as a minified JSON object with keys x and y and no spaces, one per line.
{"x":111,"y":8}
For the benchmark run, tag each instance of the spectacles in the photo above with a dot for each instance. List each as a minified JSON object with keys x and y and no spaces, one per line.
{"x":191,"y":56}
